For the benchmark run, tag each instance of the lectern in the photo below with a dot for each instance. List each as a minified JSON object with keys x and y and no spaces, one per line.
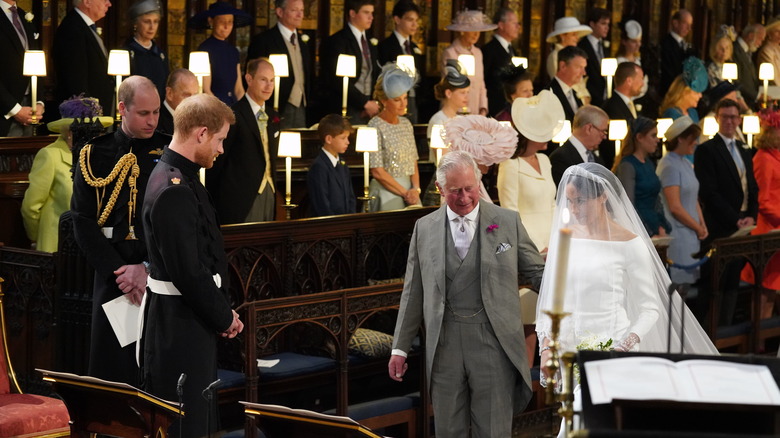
{"x":282,"y":422}
{"x":642,"y":418}
{"x":111,"y":408}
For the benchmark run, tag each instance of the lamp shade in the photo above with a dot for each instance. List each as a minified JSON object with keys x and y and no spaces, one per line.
{"x":281,"y":67}
{"x":710,"y":126}
{"x":750,"y":125}
{"x":608,"y":66}
{"x":200,"y":64}
{"x":468,"y":63}
{"x":367,"y":140}
{"x":34,"y":63}
{"x":519,"y":60}
{"x":437,"y":142}
{"x":406,"y":62}
{"x":563,"y":134}
{"x":618,"y":129}
{"x":766,"y":72}
{"x":290,"y":144}
{"x":663,"y":125}
{"x":730,"y":71}
{"x":119,"y":63}
{"x":346,"y":66}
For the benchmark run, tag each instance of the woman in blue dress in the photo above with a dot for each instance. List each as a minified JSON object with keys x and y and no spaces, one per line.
{"x":681,"y":198}
{"x":636,"y":171}
{"x":685,"y":91}
{"x":147,"y":58}
{"x":225,"y":80}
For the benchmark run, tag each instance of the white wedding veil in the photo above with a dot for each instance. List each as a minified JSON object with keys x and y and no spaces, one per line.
{"x":616,"y":284}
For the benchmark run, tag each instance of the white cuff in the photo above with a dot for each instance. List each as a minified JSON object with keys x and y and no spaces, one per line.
{"x":397,"y":352}
{"x":15,"y":110}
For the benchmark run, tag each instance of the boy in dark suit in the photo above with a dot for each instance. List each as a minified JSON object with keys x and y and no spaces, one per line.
{"x":330,"y":186}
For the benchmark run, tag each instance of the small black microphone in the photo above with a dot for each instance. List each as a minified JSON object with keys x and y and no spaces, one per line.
{"x":180,"y":384}
{"x":213,"y":385}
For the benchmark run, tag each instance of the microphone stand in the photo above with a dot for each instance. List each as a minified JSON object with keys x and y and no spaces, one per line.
{"x":180,"y":393}
{"x":208,"y":394}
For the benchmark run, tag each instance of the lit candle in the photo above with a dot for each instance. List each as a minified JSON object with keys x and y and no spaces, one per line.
{"x":287,"y":176}
{"x":277,"y":81}
{"x":365,"y":169}
{"x":561,"y":265}
{"x":344,"y":97}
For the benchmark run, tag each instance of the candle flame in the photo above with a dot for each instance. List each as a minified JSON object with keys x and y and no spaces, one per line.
{"x":565,"y":216}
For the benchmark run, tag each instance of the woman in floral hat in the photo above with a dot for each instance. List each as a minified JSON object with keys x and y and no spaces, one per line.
{"x":51,"y":181}
{"x":468,"y":25}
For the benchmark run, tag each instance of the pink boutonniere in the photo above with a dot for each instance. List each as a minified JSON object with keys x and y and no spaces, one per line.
{"x":276,"y":119}
{"x":492,"y":228}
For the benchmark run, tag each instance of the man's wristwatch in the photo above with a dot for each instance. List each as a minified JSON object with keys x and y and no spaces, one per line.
{"x":146,"y":266}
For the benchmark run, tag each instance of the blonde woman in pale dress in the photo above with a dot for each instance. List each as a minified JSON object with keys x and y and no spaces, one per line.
{"x":525,"y":182}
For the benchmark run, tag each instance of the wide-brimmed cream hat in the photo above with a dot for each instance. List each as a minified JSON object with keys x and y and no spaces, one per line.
{"x":566,"y":25}
{"x":677,"y":127}
{"x":538,"y":118}
{"x":471,"y":21}
{"x":79,"y":107}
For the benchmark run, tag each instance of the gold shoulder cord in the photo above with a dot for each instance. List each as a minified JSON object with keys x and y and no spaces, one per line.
{"x":127,"y":164}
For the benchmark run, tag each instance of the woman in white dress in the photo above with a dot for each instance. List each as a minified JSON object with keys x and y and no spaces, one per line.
{"x":525,"y":182}
{"x":616,"y":286}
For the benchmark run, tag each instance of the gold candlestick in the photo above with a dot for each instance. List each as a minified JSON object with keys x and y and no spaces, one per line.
{"x":566,"y":395}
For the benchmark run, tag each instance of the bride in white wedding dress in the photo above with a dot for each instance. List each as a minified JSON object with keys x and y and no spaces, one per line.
{"x":616,"y":286}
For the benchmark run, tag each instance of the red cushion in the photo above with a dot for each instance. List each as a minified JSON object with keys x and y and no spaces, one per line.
{"x":22,"y":414}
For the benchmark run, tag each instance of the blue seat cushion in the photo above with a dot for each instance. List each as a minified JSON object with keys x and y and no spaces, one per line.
{"x":294,"y":364}
{"x":376,"y":408}
{"x":231,"y":379}
{"x":733,"y":330}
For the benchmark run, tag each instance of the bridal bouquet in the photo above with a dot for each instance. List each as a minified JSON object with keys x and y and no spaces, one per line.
{"x":593,"y":343}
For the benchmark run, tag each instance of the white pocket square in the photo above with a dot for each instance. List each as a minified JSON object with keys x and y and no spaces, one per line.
{"x":503,"y":247}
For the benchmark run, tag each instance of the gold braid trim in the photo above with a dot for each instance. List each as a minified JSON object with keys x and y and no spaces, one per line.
{"x":128,"y":163}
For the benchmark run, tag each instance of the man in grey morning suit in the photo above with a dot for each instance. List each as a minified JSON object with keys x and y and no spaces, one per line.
{"x":461,"y":280}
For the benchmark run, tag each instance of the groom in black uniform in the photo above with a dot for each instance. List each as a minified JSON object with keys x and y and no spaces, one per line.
{"x":186,"y":307}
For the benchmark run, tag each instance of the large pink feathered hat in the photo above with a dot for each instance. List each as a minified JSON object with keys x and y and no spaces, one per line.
{"x":487,"y":140}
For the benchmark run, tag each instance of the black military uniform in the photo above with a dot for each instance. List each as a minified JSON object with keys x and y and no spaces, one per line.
{"x":182,"y":322}
{"x":107,"y":246}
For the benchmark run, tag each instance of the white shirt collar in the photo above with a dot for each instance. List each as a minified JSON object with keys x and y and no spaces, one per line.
{"x":333,"y":159}
{"x":726,"y":139}
{"x":745,"y":46}
{"x":563,"y":85}
{"x":254,"y":105}
{"x":625,"y":98}
{"x":473,"y":216}
{"x":170,"y":108}
{"x":6,"y":7}
{"x":84,"y":16}
{"x":594,"y":42}
{"x":401,"y":39}
{"x":583,"y":151}
{"x":504,"y":43}
{"x":285,"y":32}
{"x":357,"y":33}
{"x":676,"y":37}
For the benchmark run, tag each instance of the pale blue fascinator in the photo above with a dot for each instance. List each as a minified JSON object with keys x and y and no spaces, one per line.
{"x":396,"y":80}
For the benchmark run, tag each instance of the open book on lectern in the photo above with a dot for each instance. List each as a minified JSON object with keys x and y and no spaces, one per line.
{"x":703,"y":381}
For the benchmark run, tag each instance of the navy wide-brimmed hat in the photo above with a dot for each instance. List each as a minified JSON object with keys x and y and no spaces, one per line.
{"x":200,"y":20}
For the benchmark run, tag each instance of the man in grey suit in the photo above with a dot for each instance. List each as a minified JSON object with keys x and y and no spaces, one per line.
{"x":461,"y":281}
{"x":744,"y":47}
